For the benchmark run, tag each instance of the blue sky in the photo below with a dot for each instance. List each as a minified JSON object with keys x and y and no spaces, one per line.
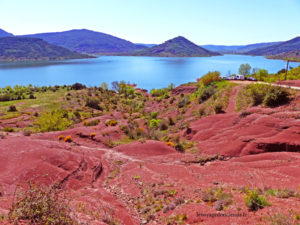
{"x":154,"y":21}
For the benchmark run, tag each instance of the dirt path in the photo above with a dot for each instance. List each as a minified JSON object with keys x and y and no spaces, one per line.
{"x":232,"y":98}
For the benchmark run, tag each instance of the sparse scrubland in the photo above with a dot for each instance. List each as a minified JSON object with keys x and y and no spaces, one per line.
{"x":123,"y":156}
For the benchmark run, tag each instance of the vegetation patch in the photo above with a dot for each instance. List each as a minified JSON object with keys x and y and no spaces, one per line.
{"x":41,"y":205}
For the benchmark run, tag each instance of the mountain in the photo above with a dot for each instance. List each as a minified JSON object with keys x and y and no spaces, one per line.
{"x":146,"y":45}
{"x":3,"y":33}
{"x":177,"y":47}
{"x":25,"y":49}
{"x":87,"y":41}
{"x":291,"y":56}
{"x":237,"y":49}
{"x":277,"y":49}
{"x":222,"y":48}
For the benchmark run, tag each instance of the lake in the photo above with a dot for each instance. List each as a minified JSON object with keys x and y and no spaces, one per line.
{"x":147,"y":72}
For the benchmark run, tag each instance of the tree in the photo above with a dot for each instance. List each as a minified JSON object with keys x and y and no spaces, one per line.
{"x":261,"y":74}
{"x":115,"y":86}
{"x":245,"y":69}
{"x":104,"y":86}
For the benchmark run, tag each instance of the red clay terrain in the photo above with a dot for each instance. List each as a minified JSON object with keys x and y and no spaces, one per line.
{"x":150,"y":182}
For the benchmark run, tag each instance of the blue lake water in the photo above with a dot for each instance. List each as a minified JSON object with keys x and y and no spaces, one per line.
{"x":147,"y":72}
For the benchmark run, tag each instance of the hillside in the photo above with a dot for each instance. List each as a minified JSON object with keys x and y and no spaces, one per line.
{"x":87,"y":41}
{"x":177,"y":47}
{"x":3,"y":33}
{"x":237,"y":49}
{"x":293,"y":56}
{"x":283,"y":47}
{"x":25,"y":49}
{"x":114,"y":158}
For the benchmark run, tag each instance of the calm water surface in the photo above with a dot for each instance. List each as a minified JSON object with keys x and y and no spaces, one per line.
{"x":147,"y":72}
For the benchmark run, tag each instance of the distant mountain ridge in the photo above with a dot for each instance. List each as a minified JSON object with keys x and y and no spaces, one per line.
{"x":284,"y":47}
{"x":237,"y":49}
{"x":176,"y":47}
{"x":33,"y":49}
{"x":3,"y":33}
{"x":87,"y":41}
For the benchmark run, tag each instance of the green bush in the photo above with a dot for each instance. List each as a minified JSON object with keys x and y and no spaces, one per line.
{"x":154,"y":115}
{"x":41,"y":205}
{"x":55,"y":120}
{"x":93,"y":103}
{"x":257,"y":92}
{"x":162,"y":92}
{"x":254,"y":201}
{"x":205,"y":93}
{"x":268,"y":95}
{"x":210,"y":77}
{"x":154,"y":123}
{"x":91,"y":123}
{"x":183,"y":101}
{"x":276,"y":96}
{"x":12,"y":108}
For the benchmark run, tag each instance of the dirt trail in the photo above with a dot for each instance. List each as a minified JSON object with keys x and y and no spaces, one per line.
{"x":231,"y":104}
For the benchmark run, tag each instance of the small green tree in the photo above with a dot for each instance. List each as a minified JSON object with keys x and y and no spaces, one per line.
{"x":261,"y":74}
{"x":104,"y":86}
{"x":245,"y":69}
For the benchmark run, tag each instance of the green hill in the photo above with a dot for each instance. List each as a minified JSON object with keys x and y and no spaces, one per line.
{"x":32,"y":49}
{"x":87,"y":41}
{"x":177,"y":47}
{"x":284,"y":47}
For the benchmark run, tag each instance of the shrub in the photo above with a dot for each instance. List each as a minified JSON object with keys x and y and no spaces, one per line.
{"x":210,"y":77}
{"x":27,"y":133}
{"x":93,"y":135}
{"x":154,"y":123}
{"x":163,"y":92}
{"x":276,"y":96}
{"x":93,"y":103}
{"x":31,"y":96}
{"x":183,"y":101}
{"x":8,"y":129}
{"x":4,"y":98}
{"x":41,"y":205}
{"x":254,"y":201}
{"x":55,"y":120}
{"x":171,"y":121}
{"x":245,"y":114}
{"x":218,"y":108}
{"x":78,"y":86}
{"x":179,"y":147}
{"x":68,"y":139}
{"x":171,"y":144}
{"x":271,"y":96}
{"x":140,"y":131}
{"x":206,"y":93}
{"x":61,"y":137}
{"x":163,"y":126}
{"x":12,"y":108}
{"x":154,"y":115}
{"x":91,"y":123}
{"x":111,"y":122}
{"x":257,"y":92}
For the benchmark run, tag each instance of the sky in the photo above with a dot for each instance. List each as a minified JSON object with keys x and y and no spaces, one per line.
{"x":223,"y":22}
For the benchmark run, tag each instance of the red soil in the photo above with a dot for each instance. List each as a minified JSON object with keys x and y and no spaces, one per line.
{"x":260,"y":150}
